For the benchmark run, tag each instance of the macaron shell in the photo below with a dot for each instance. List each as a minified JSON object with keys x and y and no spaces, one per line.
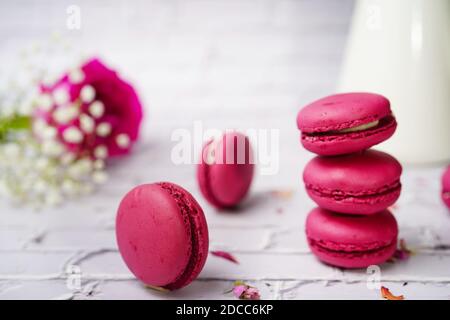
{"x":349,"y":241}
{"x":203,"y":178}
{"x":157,"y":239}
{"x":341,"y":111}
{"x":362,"y":183}
{"x":224,"y":184}
{"x":446,"y":187}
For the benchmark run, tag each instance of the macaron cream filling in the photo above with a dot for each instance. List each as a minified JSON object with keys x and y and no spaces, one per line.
{"x":361,"y":127}
{"x":357,"y":128}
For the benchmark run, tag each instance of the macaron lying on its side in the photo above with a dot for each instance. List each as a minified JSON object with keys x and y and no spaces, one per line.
{"x":349,"y":241}
{"x":345,"y":123}
{"x":162,"y":235}
{"x":225,"y":171}
{"x":446,"y":187}
{"x":360,"y":183}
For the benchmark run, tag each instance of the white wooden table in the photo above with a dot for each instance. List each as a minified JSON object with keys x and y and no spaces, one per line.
{"x":230,"y":64}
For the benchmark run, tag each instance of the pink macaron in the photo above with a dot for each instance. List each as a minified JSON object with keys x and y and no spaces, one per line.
{"x":359,"y":183}
{"x":446,"y":187}
{"x":349,"y":241}
{"x":345,"y":123}
{"x":162,"y":235}
{"x":225,"y":171}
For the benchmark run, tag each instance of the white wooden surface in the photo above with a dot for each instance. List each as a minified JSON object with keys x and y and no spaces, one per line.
{"x":228,"y":63}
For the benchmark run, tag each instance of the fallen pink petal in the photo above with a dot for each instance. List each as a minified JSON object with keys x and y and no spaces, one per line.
{"x":245,"y":292}
{"x":225,"y":255}
{"x":402,"y":253}
{"x":239,"y":290}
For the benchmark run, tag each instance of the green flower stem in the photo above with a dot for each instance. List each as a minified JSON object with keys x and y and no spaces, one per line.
{"x":13,"y":123}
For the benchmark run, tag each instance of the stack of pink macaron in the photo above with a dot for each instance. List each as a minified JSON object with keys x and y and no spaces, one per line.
{"x":353,"y":186}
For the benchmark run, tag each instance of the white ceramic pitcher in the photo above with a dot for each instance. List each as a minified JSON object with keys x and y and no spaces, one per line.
{"x":401,"y":49}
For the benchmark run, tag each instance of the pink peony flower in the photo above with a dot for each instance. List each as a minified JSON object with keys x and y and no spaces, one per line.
{"x":90,"y":111}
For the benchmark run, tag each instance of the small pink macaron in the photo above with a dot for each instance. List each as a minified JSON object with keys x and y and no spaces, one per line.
{"x":446,"y":187}
{"x":225,"y":171}
{"x":359,"y":183}
{"x":345,"y":123}
{"x":349,"y":241}
{"x":162,"y":235}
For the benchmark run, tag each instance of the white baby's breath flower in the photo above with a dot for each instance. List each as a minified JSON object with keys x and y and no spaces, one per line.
{"x":61,"y":96}
{"x":53,"y":197}
{"x":64,"y":115}
{"x":123,"y":140}
{"x":11,"y":150}
{"x":99,"y":164}
{"x":45,"y":101}
{"x":99,"y":177}
{"x":103,"y":129}
{"x":49,"y":133}
{"x":33,"y":173}
{"x":76,"y":76}
{"x":73,"y":135}
{"x":87,"y":124}
{"x":87,"y":94}
{"x":97,"y":109}
{"x":101,"y":152}
{"x":69,"y":187}
{"x":52,"y":148}
{"x":42,"y":163}
{"x":67,"y":158}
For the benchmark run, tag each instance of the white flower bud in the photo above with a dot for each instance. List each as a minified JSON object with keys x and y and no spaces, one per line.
{"x":123,"y":140}
{"x":87,"y":124}
{"x":73,"y":135}
{"x":64,"y":115}
{"x":101,"y":152}
{"x":67,"y":158}
{"x":49,"y":133}
{"x":41,"y":163}
{"x":61,"y":96}
{"x":87,"y":94}
{"x":52,"y":148}
{"x":76,"y":76}
{"x":99,"y":164}
{"x":99,"y":177}
{"x":39,"y":186}
{"x":53,"y":197}
{"x":97,"y":109}
{"x":45,"y":102}
{"x":69,"y":187}
{"x":11,"y":150}
{"x":103,"y":129}
{"x":39,"y":126}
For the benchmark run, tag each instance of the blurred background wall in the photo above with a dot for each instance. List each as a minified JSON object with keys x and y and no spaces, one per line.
{"x":229,"y":63}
